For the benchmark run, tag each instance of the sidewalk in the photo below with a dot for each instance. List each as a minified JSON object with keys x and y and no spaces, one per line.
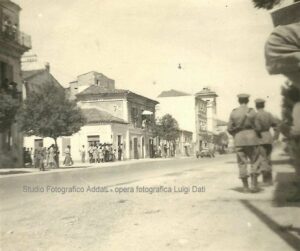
{"x":12,"y":172}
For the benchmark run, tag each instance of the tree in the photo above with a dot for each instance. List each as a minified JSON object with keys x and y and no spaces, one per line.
{"x":221,"y":140}
{"x":167,"y":128}
{"x":48,"y":113}
{"x":267,"y":4}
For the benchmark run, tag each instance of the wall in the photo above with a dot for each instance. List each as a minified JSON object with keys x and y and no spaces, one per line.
{"x":76,"y":140}
{"x":182,"y":109}
{"x":114,"y":107}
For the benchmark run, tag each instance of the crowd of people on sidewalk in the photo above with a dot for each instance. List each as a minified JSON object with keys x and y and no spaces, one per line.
{"x":48,"y":157}
{"x":99,"y":153}
{"x":41,"y":157}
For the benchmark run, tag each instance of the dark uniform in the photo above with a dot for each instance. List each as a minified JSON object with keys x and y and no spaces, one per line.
{"x":263,"y":122}
{"x":241,"y":127}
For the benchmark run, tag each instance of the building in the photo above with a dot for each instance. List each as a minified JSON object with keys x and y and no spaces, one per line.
{"x":86,"y":80}
{"x":190,"y":111}
{"x":184,"y":143}
{"x":13,"y":43}
{"x":131,"y":116}
{"x":211,"y":98}
{"x":32,"y":82}
{"x":34,"y":79}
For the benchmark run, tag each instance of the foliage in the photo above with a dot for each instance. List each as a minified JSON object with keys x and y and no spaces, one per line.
{"x":265,"y":4}
{"x":221,"y":139}
{"x":291,"y":95}
{"x":8,"y":109}
{"x":48,"y":113}
{"x":166,"y":128}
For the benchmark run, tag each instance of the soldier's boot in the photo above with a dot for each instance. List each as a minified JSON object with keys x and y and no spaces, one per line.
{"x":254,"y":186}
{"x":245,"y":185}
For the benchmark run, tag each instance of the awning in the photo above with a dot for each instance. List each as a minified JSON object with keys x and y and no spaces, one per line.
{"x":147,"y":112}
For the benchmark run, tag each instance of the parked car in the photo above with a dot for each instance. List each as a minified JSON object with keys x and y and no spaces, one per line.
{"x":205,"y":152}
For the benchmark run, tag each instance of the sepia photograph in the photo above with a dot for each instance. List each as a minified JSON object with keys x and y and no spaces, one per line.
{"x":149,"y":125}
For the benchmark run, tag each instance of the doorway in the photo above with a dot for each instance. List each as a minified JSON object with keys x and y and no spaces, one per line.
{"x":135,"y":148}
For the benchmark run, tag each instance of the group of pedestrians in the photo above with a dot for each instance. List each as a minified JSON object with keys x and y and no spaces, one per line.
{"x":99,"y":153}
{"x":253,"y":141}
{"x":41,"y":157}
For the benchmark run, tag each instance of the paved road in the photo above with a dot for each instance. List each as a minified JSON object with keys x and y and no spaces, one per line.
{"x":179,"y":204}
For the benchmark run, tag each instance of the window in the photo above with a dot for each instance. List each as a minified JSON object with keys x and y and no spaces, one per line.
{"x":6,"y":75}
{"x":93,"y":140}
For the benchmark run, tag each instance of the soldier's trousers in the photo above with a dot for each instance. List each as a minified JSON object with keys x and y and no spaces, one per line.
{"x":247,"y":154}
{"x":265,"y":164}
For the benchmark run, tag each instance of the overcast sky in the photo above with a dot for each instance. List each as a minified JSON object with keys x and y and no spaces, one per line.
{"x":140,"y":44}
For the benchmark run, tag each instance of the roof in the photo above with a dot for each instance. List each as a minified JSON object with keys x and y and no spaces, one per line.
{"x":221,"y":122}
{"x":207,"y":92}
{"x":29,"y":74}
{"x":94,"y":90}
{"x":172,"y":93}
{"x":99,"y":91}
{"x":34,"y":79}
{"x":95,"y":73}
{"x":94,"y":115}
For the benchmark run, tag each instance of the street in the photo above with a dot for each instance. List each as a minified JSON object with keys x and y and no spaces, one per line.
{"x":166,"y":204}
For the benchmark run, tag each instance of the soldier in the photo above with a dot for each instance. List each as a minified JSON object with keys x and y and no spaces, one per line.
{"x":263,"y":122}
{"x":241,"y":127}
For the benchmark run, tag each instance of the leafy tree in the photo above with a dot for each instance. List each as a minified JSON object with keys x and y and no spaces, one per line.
{"x":221,"y":140}
{"x":48,"y":113}
{"x":167,"y":128}
{"x":267,"y":4}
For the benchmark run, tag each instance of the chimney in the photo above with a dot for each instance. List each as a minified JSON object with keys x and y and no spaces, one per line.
{"x":47,"y":66}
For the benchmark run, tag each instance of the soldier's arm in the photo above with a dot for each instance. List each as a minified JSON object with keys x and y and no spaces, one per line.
{"x":257,"y":123}
{"x":231,"y":126}
{"x":275,"y":123}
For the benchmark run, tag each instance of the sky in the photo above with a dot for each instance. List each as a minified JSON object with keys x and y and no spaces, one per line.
{"x":139,"y":44}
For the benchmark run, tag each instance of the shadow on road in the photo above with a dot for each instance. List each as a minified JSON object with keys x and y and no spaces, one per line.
{"x":284,"y":232}
{"x":13,"y":172}
{"x":241,"y":189}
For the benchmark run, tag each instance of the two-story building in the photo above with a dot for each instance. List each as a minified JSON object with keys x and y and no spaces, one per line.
{"x":13,"y":43}
{"x":114,"y":116}
{"x":190,"y":111}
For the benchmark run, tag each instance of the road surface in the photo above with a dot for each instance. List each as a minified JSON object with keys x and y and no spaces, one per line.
{"x":173,"y":204}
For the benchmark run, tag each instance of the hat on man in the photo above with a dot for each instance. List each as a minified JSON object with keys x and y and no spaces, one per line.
{"x":259,"y":101}
{"x":243,"y":95}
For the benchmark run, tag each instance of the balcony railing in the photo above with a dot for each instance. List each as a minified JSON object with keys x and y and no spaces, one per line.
{"x":10,"y":34}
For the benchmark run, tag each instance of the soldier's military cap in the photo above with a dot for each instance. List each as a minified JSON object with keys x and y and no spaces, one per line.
{"x":259,"y":101}
{"x":243,"y":95}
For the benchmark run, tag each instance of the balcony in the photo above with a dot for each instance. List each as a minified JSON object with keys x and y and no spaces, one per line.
{"x":11,"y":34}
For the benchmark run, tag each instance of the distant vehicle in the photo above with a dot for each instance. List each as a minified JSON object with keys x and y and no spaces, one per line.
{"x":205,"y":152}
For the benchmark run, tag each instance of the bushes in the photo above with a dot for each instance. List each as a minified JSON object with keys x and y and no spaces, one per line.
{"x":291,"y":95}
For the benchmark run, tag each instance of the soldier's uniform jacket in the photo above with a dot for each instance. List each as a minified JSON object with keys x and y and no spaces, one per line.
{"x":263,"y":122}
{"x":241,"y":126}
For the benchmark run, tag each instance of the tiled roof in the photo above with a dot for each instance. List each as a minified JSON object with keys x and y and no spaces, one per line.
{"x":35,"y":79}
{"x":94,"y":89}
{"x":103,"y":93}
{"x":172,"y":93}
{"x":29,"y":74}
{"x":94,"y":115}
